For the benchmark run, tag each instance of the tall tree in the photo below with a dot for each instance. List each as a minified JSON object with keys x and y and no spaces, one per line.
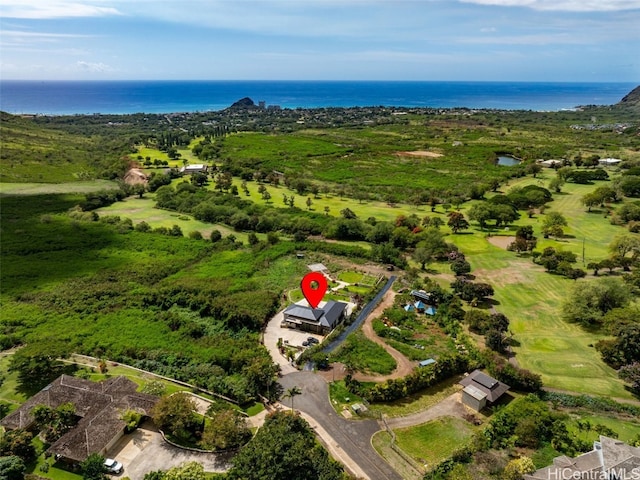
{"x":590,"y":301}
{"x":291,"y":393}
{"x":284,"y":448}
{"x":457,"y":222}
{"x":553,"y":223}
{"x":186,"y":471}
{"x":93,"y":468}
{"x":12,"y":468}
{"x":627,"y":243}
{"x":175,"y":414}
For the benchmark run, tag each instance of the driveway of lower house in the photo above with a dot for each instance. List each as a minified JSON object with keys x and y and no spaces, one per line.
{"x":145,"y":451}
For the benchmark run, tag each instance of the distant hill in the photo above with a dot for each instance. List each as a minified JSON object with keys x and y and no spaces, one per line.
{"x":631,"y":100}
{"x":243,"y":103}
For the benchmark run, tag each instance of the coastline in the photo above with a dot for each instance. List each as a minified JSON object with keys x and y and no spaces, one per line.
{"x":158,"y":97}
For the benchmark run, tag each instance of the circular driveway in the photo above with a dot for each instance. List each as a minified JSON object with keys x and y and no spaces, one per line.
{"x":145,"y":451}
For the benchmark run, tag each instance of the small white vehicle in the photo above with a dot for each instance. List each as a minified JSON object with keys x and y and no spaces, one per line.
{"x":112,"y":466}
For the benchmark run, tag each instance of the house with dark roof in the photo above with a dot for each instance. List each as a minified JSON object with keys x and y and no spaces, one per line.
{"x":610,"y":459}
{"x":317,"y":320}
{"x":99,"y":405}
{"x":481,"y":390}
{"x":421,"y":295}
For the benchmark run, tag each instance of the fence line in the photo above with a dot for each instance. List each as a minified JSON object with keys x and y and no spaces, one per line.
{"x":415,"y":465}
{"x":172,"y":380}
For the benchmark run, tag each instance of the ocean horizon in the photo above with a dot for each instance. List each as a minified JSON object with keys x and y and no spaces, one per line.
{"x":128,"y":97}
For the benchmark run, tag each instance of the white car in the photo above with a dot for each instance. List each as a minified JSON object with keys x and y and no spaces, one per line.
{"x":112,"y":466}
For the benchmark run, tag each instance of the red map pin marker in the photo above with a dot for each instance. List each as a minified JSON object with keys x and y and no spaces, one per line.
{"x":313,"y":295}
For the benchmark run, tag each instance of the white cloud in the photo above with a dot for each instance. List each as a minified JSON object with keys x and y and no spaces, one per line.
{"x":565,"y":5}
{"x":533,"y":39}
{"x":39,"y":35}
{"x":47,"y":9}
{"x":94,"y":67}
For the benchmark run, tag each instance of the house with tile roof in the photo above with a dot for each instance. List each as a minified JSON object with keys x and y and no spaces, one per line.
{"x":99,"y":406}
{"x":610,"y":459}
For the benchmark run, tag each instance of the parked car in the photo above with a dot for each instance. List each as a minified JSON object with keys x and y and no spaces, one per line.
{"x":305,"y":343}
{"x":112,"y":466}
{"x":313,"y":341}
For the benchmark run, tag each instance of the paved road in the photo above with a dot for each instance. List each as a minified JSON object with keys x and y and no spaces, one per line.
{"x":353,"y":437}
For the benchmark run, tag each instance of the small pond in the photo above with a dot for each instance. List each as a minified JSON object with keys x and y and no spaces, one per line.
{"x":507,"y":161}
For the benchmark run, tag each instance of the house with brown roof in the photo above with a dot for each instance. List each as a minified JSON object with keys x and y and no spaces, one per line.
{"x":610,"y":459}
{"x":99,"y":406}
{"x":481,"y":390}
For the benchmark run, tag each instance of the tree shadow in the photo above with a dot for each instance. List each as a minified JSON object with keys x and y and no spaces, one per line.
{"x":634,"y":393}
{"x":30,"y":386}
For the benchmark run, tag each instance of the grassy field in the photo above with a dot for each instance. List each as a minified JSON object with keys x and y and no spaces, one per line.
{"x":364,"y":355}
{"x":531,"y":298}
{"x":626,"y":429}
{"x":56,"y":188}
{"x":434,"y":441}
{"x":418,"y":402}
{"x":143,"y":209}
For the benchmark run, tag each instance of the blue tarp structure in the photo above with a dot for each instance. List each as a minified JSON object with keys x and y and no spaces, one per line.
{"x":409,"y":308}
{"x":430,"y":311}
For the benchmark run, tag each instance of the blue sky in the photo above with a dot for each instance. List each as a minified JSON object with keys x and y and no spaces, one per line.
{"x":514,"y":40}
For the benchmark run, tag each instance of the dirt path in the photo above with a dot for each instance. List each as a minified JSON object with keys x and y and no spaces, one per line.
{"x":404,"y":365}
{"x":449,"y":407}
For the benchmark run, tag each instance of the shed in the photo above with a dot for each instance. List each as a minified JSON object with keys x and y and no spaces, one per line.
{"x":428,"y":361}
{"x":474,"y":397}
{"x":491,"y":388}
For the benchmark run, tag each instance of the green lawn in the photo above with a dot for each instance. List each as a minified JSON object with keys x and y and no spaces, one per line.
{"x":627,"y":430}
{"x":364,"y":355}
{"x":48,"y":188}
{"x":340,"y":397}
{"x":139,"y":209}
{"x":420,"y":401}
{"x":9,"y":391}
{"x":434,"y":441}
{"x":532,"y":298}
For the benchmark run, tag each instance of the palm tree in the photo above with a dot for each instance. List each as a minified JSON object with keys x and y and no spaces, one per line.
{"x":292,"y":392}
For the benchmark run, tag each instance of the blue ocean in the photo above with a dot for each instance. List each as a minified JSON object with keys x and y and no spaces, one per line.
{"x":121,"y":97}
